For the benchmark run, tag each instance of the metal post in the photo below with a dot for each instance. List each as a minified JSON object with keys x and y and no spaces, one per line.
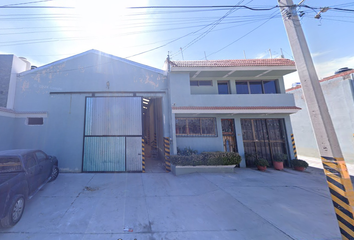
{"x":143,"y":154}
{"x":294,"y":146}
{"x":167,"y":154}
{"x":335,"y":169}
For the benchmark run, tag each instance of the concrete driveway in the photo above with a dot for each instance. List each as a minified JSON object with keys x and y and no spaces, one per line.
{"x":245,"y":205}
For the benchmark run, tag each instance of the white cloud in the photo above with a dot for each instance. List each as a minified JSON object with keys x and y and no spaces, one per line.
{"x":327,"y":68}
{"x":262,"y":55}
{"x":318,"y":54}
{"x":323,"y":69}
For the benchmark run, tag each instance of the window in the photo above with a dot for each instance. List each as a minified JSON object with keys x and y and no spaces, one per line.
{"x":269,"y":87}
{"x":253,"y":87}
{"x":40,"y":156}
{"x":256,"y":87}
{"x":242,"y":88}
{"x":195,"y":127}
{"x":34,"y":121}
{"x":223,"y":87}
{"x":201,"y":83}
{"x":10,"y":165}
{"x":30,"y":162}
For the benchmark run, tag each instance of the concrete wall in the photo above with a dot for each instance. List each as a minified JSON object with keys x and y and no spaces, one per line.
{"x":5,"y":75}
{"x":62,"y":132}
{"x":7,"y":124}
{"x":339,"y":98}
{"x":10,"y":66}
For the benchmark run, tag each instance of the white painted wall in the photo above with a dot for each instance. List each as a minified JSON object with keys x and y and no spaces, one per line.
{"x":339,"y":98}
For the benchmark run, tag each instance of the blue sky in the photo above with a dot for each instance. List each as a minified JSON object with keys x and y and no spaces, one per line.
{"x":47,"y":35}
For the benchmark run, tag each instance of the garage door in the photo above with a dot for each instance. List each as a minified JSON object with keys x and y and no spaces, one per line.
{"x":113,"y":133}
{"x":264,"y":137}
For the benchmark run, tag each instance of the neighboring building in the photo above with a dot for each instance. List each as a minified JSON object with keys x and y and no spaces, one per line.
{"x":88,"y":110}
{"x":232,"y":105}
{"x":339,"y":95}
{"x":92,"y":110}
{"x":10,"y":66}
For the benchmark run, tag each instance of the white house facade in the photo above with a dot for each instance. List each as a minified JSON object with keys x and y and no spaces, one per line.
{"x":232,"y":105}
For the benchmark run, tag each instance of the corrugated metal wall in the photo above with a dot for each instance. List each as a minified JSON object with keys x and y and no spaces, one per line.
{"x":104,"y":154}
{"x":113,"y":130}
{"x":113,"y":116}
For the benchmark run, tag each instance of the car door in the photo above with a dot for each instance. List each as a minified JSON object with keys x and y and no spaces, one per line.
{"x":33,"y":172}
{"x":45,"y":165}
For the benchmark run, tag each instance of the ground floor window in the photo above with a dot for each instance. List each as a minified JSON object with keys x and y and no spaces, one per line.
{"x":196,"y":127}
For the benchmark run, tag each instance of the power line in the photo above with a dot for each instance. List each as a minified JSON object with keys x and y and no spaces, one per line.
{"x":218,"y":6}
{"x":254,"y":29}
{"x":10,"y":6}
{"x":214,"y":24}
{"x":165,"y":44}
{"x":236,"y":6}
{"x":13,"y":4}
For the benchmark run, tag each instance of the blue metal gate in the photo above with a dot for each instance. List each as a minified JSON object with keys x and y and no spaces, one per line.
{"x":113,"y":126}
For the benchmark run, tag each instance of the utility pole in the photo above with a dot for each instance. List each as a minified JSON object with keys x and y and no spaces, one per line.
{"x":335,"y":169}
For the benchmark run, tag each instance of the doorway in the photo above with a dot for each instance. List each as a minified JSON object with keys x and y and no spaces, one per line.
{"x":153,"y":134}
{"x":229,"y":135}
{"x":263,"y":138}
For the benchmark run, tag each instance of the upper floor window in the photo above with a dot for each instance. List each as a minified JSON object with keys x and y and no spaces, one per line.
{"x":256,"y":87}
{"x":201,"y":83}
{"x":223,"y":87}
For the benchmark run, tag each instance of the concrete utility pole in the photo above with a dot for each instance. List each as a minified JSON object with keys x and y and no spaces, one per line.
{"x":335,"y":169}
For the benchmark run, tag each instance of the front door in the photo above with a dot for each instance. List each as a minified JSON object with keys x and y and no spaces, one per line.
{"x":228,"y":135}
{"x":263,"y":138}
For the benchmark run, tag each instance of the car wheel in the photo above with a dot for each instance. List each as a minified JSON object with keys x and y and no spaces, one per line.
{"x":15,"y":212}
{"x":55,"y":173}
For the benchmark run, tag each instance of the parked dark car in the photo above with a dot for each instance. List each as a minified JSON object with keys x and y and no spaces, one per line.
{"x":22,"y":173}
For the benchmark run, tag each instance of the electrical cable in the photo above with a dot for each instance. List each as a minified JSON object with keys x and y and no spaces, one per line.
{"x":135,"y":24}
{"x":14,"y":4}
{"x":214,"y":24}
{"x":275,"y":14}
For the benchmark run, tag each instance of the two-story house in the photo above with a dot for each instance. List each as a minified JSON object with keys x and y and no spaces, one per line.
{"x":100,"y":113}
{"x":232,"y":105}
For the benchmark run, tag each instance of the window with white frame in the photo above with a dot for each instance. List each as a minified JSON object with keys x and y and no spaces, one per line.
{"x":201,"y":83}
{"x":223,"y":87}
{"x":256,"y":87}
{"x":196,"y":127}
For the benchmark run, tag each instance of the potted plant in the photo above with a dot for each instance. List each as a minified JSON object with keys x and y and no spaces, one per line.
{"x":299,"y":165}
{"x":261,"y":164}
{"x":278,"y":160}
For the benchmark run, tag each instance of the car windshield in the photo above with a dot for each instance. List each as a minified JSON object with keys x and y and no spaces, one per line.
{"x":10,"y":165}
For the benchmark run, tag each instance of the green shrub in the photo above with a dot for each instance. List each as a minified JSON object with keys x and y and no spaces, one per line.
{"x":299,"y":163}
{"x":206,"y":158}
{"x":191,"y":160}
{"x":187,"y":151}
{"x":261,"y":162}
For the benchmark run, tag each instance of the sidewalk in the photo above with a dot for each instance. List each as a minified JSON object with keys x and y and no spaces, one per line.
{"x":317,"y":163}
